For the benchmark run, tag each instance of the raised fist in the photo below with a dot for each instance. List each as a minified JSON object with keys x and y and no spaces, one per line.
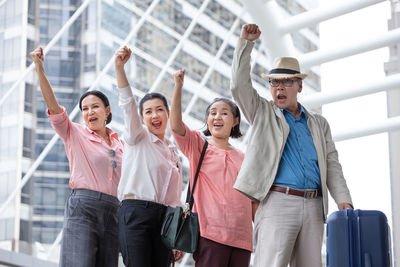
{"x":250,"y":32}
{"x":37,"y":55}
{"x":179,"y":77}
{"x":122,"y":56}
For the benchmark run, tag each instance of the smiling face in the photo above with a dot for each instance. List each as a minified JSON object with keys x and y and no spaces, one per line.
{"x":220,"y":120}
{"x":95,"y":113}
{"x":155,"y":117}
{"x":286,"y":96}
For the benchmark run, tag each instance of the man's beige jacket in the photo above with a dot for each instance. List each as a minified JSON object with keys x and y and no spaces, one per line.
{"x":268,"y":136}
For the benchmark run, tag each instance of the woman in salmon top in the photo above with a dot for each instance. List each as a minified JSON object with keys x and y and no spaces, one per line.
{"x":225,"y":215}
{"x":90,"y":230}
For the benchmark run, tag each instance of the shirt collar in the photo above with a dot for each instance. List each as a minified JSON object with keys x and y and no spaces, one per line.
{"x":109,"y":132}
{"x":301,"y":114}
{"x":155,"y":139}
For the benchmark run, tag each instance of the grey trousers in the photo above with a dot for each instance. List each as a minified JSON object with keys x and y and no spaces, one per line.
{"x":90,"y":231}
{"x":288,"y":229}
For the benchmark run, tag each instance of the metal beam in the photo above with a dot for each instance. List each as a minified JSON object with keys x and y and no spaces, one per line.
{"x":266,"y":14}
{"x":391,"y":124}
{"x":315,"y":16}
{"x":349,"y":49}
{"x":9,"y":258}
{"x":2,"y":3}
{"x":179,"y":46}
{"x":54,"y":245}
{"x":318,"y":99}
{"x":50,"y":45}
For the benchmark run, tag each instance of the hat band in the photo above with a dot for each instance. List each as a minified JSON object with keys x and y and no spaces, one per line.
{"x":283,"y":71}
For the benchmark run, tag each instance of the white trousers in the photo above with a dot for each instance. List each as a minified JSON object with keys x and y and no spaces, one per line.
{"x":288,"y":229}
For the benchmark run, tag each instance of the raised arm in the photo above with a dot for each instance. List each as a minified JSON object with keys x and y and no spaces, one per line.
{"x":133,"y":131}
{"x":175,"y":118}
{"x":121,"y":57}
{"x":47,"y":92}
{"x":241,"y":87}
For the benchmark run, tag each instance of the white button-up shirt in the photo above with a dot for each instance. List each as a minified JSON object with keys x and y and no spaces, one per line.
{"x":151,"y":170}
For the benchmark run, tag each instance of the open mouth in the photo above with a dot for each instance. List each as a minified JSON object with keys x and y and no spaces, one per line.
{"x":156,"y":125}
{"x":218,"y":125}
{"x":92,"y":119}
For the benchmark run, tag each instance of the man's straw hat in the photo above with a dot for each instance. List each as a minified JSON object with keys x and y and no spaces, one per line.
{"x":284,"y":68}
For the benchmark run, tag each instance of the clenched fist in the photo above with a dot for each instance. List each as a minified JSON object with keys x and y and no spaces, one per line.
{"x":250,"y":32}
{"x":122,"y":56}
{"x":37,"y":56}
{"x":179,"y":76}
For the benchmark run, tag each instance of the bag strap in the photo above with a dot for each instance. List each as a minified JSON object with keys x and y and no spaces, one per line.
{"x":189,"y":195}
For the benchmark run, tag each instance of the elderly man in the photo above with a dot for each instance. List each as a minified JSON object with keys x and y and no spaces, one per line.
{"x":291,"y":162}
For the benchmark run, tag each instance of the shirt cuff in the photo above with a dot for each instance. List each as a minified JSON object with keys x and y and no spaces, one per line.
{"x":56,"y":118}
{"x":125,"y":92}
{"x":246,"y":43}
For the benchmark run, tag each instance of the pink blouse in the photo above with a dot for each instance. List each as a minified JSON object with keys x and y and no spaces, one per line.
{"x":224,"y":213}
{"x":93,"y":163}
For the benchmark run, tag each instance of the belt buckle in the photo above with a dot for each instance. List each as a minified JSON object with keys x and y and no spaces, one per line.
{"x":310,"y":194}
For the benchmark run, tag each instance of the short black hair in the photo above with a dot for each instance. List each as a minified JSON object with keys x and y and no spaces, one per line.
{"x":151,"y":96}
{"x":235,"y":132}
{"x":100,"y":95}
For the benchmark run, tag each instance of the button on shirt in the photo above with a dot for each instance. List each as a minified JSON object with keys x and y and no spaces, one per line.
{"x":224,"y":213}
{"x":298,"y":167}
{"x":93,"y":163}
{"x":151,"y":170}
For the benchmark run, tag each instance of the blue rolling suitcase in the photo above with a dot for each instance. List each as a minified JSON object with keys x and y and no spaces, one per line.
{"x":357,"y":238}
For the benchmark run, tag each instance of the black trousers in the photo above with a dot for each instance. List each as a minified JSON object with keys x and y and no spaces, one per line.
{"x":139,"y":234}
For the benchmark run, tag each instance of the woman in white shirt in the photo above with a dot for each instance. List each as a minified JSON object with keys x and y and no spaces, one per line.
{"x":151,"y":174}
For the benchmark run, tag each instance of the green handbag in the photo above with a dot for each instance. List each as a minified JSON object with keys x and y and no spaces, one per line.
{"x":180,"y":228}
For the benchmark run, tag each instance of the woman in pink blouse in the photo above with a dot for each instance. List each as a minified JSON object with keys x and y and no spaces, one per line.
{"x":225,"y":215}
{"x":90,"y":231}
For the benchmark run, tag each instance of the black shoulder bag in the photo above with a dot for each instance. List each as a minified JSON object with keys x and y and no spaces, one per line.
{"x":180,"y":228}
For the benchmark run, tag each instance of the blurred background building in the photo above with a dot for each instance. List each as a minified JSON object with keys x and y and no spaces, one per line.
{"x":80,"y":37}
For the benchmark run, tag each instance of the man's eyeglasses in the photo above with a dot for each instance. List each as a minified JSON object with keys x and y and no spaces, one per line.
{"x":285,"y":82}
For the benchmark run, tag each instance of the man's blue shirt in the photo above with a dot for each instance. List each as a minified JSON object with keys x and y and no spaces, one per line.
{"x":298,"y":167}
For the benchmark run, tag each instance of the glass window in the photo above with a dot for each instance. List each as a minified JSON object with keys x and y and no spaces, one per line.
{"x":219,"y":83}
{"x":27,"y":143}
{"x":12,"y":50}
{"x":302,"y":43}
{"x":116,"y":19}
{"x":146,"y":74}
{"x":194,"y":68}
{"x":25,"y":231}
{"x":199,"y":110}
{"x":32,"y":12}
{"x":220,"y":14}
{"x":170,"y":13}
{"x":155,"y":42}
{"x":205,"y":39}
